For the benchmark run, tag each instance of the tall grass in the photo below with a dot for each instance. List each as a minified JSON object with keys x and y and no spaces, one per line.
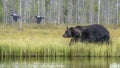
{"x":46,"y":40}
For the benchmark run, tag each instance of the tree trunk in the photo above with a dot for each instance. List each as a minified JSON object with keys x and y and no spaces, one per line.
{"x":117,"y":12}
{"x":20,"y":11}
{"x":5,"y":11}
{"x":98,"y":11}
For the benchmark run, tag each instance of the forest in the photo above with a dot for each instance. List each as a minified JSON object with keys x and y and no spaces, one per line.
{"x":62,"y":11}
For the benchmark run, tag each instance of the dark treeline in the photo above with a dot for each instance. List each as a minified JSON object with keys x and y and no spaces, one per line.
{"x":62,"y":11}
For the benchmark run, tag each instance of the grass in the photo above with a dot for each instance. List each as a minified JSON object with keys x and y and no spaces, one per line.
{"x":46,"y":40}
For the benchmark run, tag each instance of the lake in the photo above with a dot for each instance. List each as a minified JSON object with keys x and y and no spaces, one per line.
{"x":60,"y":62}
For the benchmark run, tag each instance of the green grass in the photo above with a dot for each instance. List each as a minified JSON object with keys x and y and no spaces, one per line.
{"x":46,"y":40}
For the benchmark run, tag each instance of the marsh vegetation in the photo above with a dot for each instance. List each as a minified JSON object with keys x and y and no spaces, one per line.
{"x":46,"y":40}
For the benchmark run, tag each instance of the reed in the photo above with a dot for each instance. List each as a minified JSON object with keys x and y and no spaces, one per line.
{"x":46,"y":41}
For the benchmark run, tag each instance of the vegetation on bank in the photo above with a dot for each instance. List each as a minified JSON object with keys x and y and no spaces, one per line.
{"x":46,"y":40}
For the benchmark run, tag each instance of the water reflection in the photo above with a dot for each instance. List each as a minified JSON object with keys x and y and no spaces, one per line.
{"x":75,"y":62}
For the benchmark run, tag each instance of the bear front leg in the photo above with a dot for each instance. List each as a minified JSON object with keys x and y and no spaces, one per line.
{"x":71,"y":41}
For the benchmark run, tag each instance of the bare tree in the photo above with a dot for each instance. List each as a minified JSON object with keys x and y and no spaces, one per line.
{"x":42,"y":9}
{"x":98,"y":11}
{"x":5,"y":9}
{"x":20,"y":11}
{"x":117,"y":11}
{"x":38,"y":7}
{"x":70,"y":9}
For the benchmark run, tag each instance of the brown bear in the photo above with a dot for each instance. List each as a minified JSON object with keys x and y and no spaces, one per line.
{"x":90,"y":33}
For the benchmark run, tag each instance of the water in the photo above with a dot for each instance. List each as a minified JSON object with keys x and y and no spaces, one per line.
{"x":81,"y":62}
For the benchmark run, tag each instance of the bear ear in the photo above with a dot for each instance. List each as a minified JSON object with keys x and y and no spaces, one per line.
{"x":71,"y":28}
{"x":67,"y":27}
